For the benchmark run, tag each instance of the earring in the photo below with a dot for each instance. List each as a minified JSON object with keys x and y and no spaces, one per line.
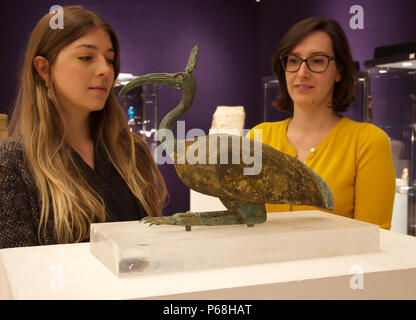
{"x":50,"y":93}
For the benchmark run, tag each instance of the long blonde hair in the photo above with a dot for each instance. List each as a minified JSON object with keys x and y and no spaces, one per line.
{"x":39,"y":122}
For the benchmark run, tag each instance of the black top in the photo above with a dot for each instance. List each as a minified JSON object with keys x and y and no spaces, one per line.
{"x":20,"y":204}
{"x":120,"y":203}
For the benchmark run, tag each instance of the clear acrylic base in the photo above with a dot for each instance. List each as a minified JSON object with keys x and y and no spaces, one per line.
{"x":131,"y":249}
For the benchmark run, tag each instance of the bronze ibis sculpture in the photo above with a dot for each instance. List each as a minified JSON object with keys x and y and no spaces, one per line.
{"x":282,"y":178}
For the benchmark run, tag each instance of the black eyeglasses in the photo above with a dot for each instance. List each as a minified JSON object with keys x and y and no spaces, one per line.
{"x":316,"y":63}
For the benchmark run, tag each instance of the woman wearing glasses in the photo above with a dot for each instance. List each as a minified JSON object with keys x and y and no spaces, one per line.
{"x":317,"y":83}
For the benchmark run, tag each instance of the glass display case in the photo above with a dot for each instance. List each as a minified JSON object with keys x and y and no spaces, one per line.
{"x":140,"y":106}
{"x":270,"y":92}
{"x":392,"y":76}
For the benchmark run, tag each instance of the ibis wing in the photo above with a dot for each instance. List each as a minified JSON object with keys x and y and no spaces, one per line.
{"x":282,"y":179}
{"x":222,"y":166}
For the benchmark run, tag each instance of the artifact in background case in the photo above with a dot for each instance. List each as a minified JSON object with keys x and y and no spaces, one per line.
{"x":228,"y":119}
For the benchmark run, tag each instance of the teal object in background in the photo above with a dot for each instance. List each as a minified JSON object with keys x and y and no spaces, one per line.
{"x":131,"y":121}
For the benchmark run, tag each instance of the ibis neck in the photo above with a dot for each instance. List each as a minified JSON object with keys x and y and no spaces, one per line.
{"x":171,"y":145}
{"x":170,"y":119}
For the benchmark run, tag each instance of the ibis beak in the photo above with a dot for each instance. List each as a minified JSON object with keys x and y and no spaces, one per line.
{"x":174,"y":80}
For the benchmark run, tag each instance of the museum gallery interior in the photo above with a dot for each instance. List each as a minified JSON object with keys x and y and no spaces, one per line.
{"x":211,"y":62}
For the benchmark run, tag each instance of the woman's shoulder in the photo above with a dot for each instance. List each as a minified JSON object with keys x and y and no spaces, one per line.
{"x":365,"y":130}
{"x":269,"y":128}
{"x":271,"y":125}
{"x":11,"y":152}
{"x":365,"y":136}
{"x":269,"y":131}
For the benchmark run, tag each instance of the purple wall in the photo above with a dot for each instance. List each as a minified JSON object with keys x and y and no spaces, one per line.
{"x":157,"y":36}
{"x":386,"y":22}
{"x":236,"y":38}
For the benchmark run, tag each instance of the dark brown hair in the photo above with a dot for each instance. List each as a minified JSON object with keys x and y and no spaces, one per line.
{"x":344,"y":91}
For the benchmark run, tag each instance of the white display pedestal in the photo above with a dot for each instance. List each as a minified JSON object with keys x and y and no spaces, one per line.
{"x":72,"y":272}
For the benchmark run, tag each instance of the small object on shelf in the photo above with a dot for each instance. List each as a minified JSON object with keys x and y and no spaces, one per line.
{"x":131,"y":122}
{"x":404,"y":181}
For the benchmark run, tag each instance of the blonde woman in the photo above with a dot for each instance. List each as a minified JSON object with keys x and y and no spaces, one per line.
{"x":71,"y":159}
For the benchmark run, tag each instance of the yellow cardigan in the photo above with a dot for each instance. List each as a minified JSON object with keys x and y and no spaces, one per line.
{"x":355,"y":160}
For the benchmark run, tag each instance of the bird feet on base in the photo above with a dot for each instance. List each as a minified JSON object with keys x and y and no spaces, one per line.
{"x":189,"y":219}
{"x":182,"y":219}
{"x":249,"y":214}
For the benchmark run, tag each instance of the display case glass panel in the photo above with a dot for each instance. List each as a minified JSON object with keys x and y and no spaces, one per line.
{"x":393,"y":109}
{"x":140,"y":106}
